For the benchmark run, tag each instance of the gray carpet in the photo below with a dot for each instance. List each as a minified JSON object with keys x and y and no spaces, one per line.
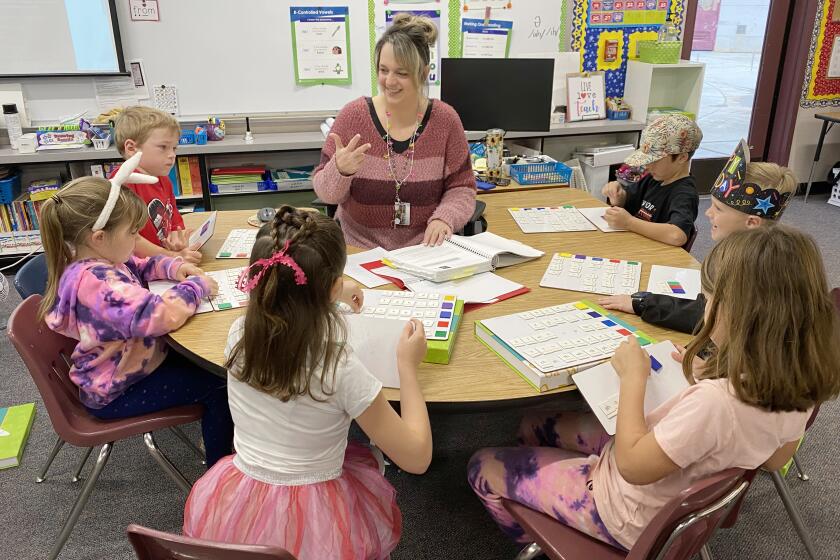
{"x":442,"y":519}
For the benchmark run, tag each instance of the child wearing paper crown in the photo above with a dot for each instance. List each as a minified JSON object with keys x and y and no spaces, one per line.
{"x":155,"y":134}
{"x":663,"y":204}
{"x":294,"y":386}
{"x":97,"y":294}
{"x":746,"y":195}
{"x":745,"y":407}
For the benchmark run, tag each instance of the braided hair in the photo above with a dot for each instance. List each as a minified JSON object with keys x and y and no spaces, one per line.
{"x":293,"y":332}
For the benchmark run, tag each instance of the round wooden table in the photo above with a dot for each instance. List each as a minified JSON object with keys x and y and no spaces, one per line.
{"x":474,"y":377}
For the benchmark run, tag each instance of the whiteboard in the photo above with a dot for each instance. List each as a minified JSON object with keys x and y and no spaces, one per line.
{"x":236,"y":57}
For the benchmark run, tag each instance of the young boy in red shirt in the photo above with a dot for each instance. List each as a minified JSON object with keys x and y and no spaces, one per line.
{"x":155,"y":133}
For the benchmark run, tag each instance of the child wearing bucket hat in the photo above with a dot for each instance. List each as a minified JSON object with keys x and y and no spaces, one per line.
{"x":663,"y":205}
{"x":746,"y":195}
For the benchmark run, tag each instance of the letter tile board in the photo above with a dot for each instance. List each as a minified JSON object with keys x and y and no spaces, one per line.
{"x":550,"y":219}
{"x":228,"y":297}
{"x":436,"y":311}
{"x":596,"y":275}
{"x":238,"y":244}
{"x":562,"y":336}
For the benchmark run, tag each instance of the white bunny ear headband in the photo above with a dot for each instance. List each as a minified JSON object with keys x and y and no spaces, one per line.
{"x":124,"y":174}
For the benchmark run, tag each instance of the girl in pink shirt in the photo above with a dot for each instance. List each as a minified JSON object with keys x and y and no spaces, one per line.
{"x":773,"y":338}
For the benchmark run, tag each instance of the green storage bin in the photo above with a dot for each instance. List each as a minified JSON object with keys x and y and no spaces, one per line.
{"x":655,"y":52}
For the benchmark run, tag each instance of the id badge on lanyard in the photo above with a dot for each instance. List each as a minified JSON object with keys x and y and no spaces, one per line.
{"x":402,"y":213}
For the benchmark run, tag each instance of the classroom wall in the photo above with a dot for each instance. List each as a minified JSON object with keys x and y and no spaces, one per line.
{"x":807,"y":130}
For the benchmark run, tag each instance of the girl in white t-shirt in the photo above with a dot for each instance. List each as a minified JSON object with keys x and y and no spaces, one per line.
{"x":774,"y":342}
{"x":293,"y":388}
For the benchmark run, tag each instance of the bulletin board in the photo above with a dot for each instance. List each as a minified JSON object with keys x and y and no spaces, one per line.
{"x":597,"y":42}
{"x":821,"y":87}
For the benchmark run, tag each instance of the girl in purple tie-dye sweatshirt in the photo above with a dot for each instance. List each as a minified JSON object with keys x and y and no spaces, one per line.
{"x":97,"y":294}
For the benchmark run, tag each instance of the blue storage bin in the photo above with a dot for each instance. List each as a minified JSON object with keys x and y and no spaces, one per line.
{"x":187,"y":137}
{"x":237,"y":188}
{"x":540,"y":173}
{"x":9,"y":189}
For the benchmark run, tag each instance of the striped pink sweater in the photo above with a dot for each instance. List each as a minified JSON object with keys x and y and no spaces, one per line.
{"x":441,"y":185}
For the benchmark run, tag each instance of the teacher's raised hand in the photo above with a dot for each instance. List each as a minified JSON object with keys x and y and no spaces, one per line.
{"x":349,"y":158}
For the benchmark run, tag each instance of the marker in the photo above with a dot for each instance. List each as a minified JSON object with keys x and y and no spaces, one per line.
{"x":249,"y":138}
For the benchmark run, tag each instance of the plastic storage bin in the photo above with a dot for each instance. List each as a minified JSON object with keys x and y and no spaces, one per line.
{"x":656,"y":52}
{"x":9,"y":189}
{"x":236,"y":188}
{"x":540,"y":173}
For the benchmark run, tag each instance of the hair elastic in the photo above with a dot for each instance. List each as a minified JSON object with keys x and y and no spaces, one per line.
{"x":245,"y":284}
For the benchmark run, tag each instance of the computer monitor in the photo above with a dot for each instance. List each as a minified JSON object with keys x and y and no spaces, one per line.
{"x":513,"y":94}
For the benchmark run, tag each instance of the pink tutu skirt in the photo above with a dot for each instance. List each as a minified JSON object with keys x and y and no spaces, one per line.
{"x":352,"y":516}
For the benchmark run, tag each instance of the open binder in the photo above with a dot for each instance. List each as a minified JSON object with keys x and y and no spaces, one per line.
{"x":459,"y":257}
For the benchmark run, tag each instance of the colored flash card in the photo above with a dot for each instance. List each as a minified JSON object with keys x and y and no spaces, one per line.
{"x":596,"y":275}
{"x":203,"y":234}
{"x":550,"y":219}
{"x":683,"y":283}
{"x":435,"y":311}
{"x":238,"y":244}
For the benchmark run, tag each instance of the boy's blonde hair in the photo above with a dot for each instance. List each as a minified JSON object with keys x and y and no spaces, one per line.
{"x":778,"y":330}
{"x":771,"y":176}
{"x":137,"y":123}
{"x":67,"y":219}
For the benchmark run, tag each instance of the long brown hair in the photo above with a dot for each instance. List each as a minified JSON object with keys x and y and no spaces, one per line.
{"x":66,"y":221}
{"x":294,"y":332}
{"x":778,"y":330}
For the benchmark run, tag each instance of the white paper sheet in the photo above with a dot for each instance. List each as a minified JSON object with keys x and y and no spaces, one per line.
{"x":374,"y":341}
{"x":596,"y":216}
{"x":669,"y":281}
{"x":354,"y":269}
{"x":203,"y":234}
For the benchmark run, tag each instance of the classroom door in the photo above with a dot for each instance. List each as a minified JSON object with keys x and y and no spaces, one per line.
{"x":731,"y":38}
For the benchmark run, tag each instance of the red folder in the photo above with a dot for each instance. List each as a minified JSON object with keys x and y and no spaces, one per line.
{"x":371,"y":266}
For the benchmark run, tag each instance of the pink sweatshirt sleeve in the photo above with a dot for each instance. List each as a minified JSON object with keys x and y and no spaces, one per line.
{"x":119,"y":309}
{"x":329,"y":184}
{"x":457,"y":205}
{"x":158,"y":267}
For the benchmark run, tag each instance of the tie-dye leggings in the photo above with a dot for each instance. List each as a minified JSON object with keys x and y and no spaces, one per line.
{"x":550,"y":473}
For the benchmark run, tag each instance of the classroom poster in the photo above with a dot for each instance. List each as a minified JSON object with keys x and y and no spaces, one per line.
{"x":481,"y":5}
{"x":321,"y":45}
{"x":434,"y":50}
{"x":627,"y":13}
{"x":485,"y":40}
{"x":585,"y":97}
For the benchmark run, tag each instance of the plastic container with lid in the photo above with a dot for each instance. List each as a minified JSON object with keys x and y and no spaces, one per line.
{"x":13,"y":127}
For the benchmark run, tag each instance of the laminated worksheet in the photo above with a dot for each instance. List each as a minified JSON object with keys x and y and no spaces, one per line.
{"x":595,"y":275}
{"x":238,"y":244}
{"x":228,"y":297}
{"x":596,"y":216}
{"x":550,"y":219}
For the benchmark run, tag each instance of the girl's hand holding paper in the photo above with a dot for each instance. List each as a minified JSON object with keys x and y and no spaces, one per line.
{"x":631,"y":362}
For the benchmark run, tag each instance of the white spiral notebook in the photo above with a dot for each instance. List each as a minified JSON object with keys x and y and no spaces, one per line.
{"x":459,"y":257}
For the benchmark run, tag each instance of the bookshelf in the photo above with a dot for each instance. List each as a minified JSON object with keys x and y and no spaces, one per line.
{"x":277,"y":146}
{"x":663,"y":85}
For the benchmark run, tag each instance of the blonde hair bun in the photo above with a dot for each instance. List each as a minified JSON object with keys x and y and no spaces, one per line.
{"x":416,"y":24}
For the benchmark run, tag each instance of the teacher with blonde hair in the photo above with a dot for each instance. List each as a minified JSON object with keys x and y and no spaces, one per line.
{"x":397,"y":164}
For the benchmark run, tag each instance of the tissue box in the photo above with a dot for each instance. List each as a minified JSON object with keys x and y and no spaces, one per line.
{"x":28,"y":143}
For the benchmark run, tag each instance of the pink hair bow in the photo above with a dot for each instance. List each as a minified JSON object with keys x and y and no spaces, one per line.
{"x":245,"y":284}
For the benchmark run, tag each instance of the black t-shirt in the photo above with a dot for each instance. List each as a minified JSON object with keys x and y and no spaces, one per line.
{"x":675,"y":203}
{"x":399,"y":145}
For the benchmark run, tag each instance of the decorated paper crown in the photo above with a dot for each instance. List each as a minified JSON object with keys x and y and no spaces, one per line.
{"x":124,"y":174}
{"x":748,"y":198}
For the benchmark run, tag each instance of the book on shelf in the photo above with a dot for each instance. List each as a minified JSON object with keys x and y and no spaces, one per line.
{"x":173,"y":178}
{"x":459,"y":256}
{"x":195,"y":175}
{"x":15,"y":424}
{"x":184,"y":176}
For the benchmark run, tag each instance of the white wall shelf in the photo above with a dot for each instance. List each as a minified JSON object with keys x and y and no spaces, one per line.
{"x":663,"y":85}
